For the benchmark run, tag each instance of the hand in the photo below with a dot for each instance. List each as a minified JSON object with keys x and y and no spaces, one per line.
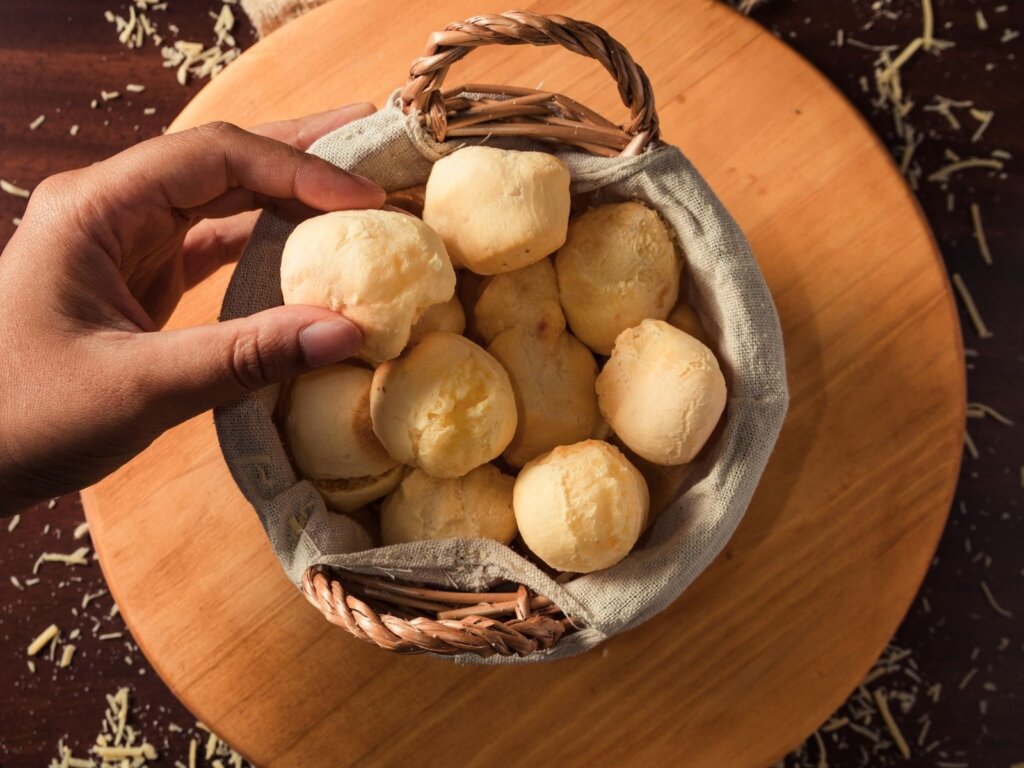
{"x":99,"y":262}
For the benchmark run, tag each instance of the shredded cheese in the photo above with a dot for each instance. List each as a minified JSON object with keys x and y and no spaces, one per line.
{"x":11,"y":189}
{"x":81,"y":531}
{"x":992,"y":601}
{"x":971,"y":307}
{"x":17,"y":584}
{"x":193,"y":746}
{"x":945,"y":172}
{"x":109,"y":95}
{"x":112,"y":636}
{"x":927,"y":39}
{"x":970,"y":446}
{"x":66,"y":656}
{"x":37,"y":122}
{"x":984,"y":117}
{"x":890,"y":723}
{"x":13,"y":523}
{"x":980,"y":411}
{"x":73,"y":130}
{"x":78,"y":557}
{"x":135,"y":88}
{"x":149,"y":111}
{"x":943,"y":106}
{"x":979,"y":234}
{"x":979,"y":17}
{"x":44,"y":638}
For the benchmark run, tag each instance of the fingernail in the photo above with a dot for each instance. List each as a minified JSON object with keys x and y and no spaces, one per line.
{"x":359,"y":109}
{"x":328,"y":341}
{"x":364,"y":182}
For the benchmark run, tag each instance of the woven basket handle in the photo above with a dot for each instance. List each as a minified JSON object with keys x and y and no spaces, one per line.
{"x":426,"y":75}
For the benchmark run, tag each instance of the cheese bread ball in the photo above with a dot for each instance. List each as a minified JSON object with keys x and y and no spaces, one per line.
{"x":618,"y":266}
{"x":327,"y":420}
{"x":447,"y":316}
{"x":580,"y":507}
{"x":445,"y":406}
{"x":381,"y":269}
{"x":553,"y":380}
{"x":350,"y":493}
{"x":527,"y":297}
{"x":662,"y":392}
{"x":475,"y":506}
{"x":684,"y":317}
{"x":498,"y":209}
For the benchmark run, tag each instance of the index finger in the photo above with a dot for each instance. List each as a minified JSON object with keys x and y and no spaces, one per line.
{"x":190,"y":169}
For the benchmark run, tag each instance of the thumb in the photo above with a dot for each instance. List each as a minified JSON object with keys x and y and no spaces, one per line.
{"x":188,"y":371}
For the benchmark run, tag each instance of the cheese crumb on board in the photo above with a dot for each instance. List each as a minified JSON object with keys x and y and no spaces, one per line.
{"x":17,"y":584}
{"x":109,"y":95}
{"x":44,"y":638}
{"x":11,"y":189}
{"x":37,"y":122}
{"x":73,"y":130}
{"x":149,"y":111}
{"x":971,"y":307}
{"x":13,"y":523}
{"x":111,"y":636}
{"x":81,"y":531}
{"x":979,"y":18}
{"x":135,"y":88}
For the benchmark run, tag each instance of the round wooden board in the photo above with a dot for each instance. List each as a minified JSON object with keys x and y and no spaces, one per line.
{"x":783,"y":625}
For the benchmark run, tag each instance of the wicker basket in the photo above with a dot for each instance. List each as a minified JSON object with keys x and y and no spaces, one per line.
{"x":407,"y":618}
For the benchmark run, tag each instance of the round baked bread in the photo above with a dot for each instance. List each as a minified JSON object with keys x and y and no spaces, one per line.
{"x":662,"y":392}
{"x":684,"y":317}
{"x":381,"y":269}
{"x":618,"y":266}
{"x":475,"y":506}
{"x":580,"y":507}
{"x":446,"y":316}
{"x":553,"y":380}
{"x":327,"y":421}
{"x":496,"y":209}
{"x":527,"y":297}
{"x":445,"y":406}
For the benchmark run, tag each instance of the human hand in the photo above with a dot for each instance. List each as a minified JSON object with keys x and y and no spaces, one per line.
{"x":99,"y":262}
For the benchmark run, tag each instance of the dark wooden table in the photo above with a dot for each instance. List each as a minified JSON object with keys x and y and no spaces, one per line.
{"x":956,"y":665}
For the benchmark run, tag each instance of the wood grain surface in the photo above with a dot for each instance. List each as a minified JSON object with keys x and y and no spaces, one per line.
{"x":820,"y":572}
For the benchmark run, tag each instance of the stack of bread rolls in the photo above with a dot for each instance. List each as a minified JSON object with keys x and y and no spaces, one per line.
{"x":524,"y":376}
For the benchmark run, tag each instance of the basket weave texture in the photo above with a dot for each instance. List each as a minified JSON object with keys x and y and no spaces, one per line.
{"x":478,"y":600}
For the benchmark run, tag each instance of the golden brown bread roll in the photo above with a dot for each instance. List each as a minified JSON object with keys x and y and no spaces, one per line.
{"x":662,"y":392}
{"x":327,"y":421}
{"x":580,"y":507}
{"x":381,"y":269}
{"x":527,"y":297}
{"x":497,"y":209}
{"x":684,"y":317}
{"x":618,"y":266}
{"x":475,"y":506}
{"x":447,"y":316}
{"x":445,"y":406}
{"x":553,"y":380}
